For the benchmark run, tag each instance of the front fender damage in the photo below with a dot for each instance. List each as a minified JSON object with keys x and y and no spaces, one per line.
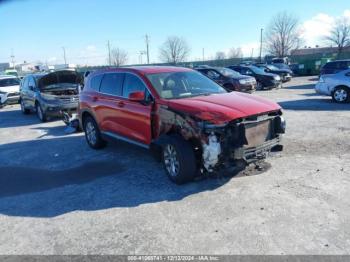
{"x":219,"y":145}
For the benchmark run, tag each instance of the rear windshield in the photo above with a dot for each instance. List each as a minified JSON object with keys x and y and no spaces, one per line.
{"x":9,"y":82}
{"x":228,"y":72}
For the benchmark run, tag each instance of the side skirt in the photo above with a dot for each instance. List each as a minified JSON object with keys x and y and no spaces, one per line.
{"x":122,"y":138}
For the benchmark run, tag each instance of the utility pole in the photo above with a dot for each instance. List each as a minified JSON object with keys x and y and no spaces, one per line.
{"x":203,"y":54}
{"x":12,"y":59}
{"x":64,"y":55}
{"x":147,"y":47}
{"x":109,"y":53}
{"x":252,"y":53}
{"x":261,"y":39}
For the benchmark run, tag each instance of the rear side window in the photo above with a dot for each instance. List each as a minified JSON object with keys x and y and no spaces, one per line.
{"x":132,"y":84}
{"x":95,"y":82}
{"x":111,"y":84}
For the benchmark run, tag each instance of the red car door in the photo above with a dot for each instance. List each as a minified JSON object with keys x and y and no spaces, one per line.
{"x":135,"y":117}
{"x":109,"y":101}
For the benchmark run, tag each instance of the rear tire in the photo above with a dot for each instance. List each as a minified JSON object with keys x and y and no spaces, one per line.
{"x":24,"y":110}
{"x":40,"y":113}
{"x":179,"y":160}
{"x":341,"y":94}
{"x":93,"y":134}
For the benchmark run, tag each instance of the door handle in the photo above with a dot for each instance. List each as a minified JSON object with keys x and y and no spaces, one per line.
{"x":94,"y":98}
{"x":121,"y":104}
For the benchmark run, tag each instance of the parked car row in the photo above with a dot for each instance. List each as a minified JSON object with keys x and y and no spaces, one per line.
{"x":229,"y":79}
{"x":247,"y":77}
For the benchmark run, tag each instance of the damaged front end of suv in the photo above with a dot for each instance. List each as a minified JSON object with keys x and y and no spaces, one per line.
{"x":221,"y":141}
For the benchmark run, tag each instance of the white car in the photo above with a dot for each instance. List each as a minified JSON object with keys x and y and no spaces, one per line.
{"x":335,"y":85}
{"x":9,"y":89}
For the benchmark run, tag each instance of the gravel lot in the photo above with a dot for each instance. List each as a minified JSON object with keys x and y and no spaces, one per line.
{"x":58,"y":196}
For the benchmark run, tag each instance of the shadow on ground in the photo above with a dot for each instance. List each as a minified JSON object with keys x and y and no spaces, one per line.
{"x":297,"y":87}
{"x":116,"y":177}
{"x":314,"y":104}
{"x":15,"y":118}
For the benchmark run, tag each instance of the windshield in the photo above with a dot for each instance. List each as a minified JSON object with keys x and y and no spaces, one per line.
{"x":9,"y":82}
{"x":183,"y":84}
{"x":282,"y":66}
{"x":257,"y":70}
{"x":272,"y":67}
{"x":228,"y":72}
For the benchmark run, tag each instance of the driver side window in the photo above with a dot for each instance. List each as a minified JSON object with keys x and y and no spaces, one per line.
{"x":132,"y":84}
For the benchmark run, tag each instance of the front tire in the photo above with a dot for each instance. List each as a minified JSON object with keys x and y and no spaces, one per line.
{"x":93,"y":134}
{"x":179,"y":160}
{"x":341,"y":94}
{"x":40,"y":113}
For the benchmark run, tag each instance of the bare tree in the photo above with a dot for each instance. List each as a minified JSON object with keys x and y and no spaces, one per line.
{"x":235,"y":53}
{"x":282,"y":35}
{"x":220,"y":55}
{"x":340,"y":34}
{"x":119,"y":57}
{"x":174,"y":50}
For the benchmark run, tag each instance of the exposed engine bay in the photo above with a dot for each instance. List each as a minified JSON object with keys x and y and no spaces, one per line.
{"x":222,"y":145}
{"x":61,"y":92}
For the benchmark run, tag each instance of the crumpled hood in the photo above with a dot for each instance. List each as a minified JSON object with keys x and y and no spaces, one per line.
{"x":10,"y":89}
{"x":59,"y":78}
{"x":222,"y":108}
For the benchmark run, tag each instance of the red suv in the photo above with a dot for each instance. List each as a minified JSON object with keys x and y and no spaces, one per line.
{"x":194,"y":123}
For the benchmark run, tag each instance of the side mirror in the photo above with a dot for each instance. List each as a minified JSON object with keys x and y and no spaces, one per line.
{"x":31,"y":88}
{"x":138,"y":96}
